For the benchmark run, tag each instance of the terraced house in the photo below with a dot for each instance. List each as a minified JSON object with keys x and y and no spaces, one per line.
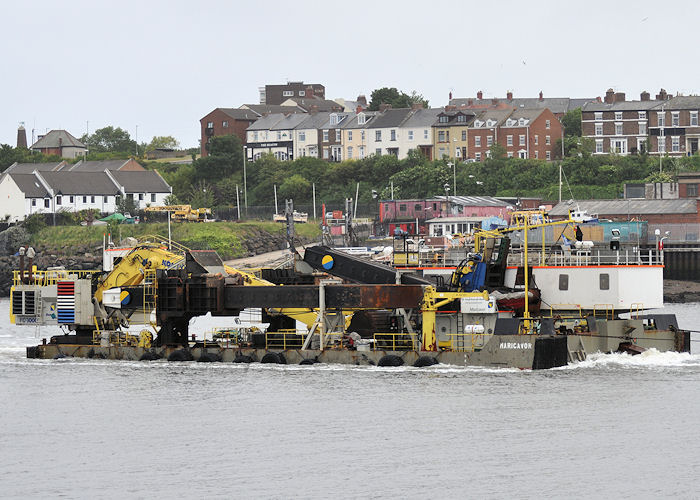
{"x":450,"y":133}
{"x":354,"y":132}
{"x":384,"y":132}
{"x":530,"y":133}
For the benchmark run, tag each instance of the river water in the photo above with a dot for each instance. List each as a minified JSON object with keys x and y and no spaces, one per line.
{"x":613,"y":426}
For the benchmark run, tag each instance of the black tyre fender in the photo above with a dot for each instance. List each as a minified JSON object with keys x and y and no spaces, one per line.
{"x":308,"y":361}
{"x":209,"y":357}
{"x":390,"y":360}
{"x":274,"y":358}
{"x":425,"y":361}
{"x":181,"y":355}
{"x":243,"y":358}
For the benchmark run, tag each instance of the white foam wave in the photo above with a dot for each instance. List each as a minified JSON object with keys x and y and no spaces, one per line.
{"x":651,"y":358}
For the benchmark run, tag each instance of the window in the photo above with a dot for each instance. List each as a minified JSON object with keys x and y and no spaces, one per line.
{"x":325,"y":136}
{"x":84,"y":199}
{"x":417,"y":207}
{"x":443,"y":119}
{"x":361,"y":119}
{"x":393,"y":135}
{"x":537,"y":140}
{"x":402,"y":207}
{"x":362,"y":152}
{"x":618,"y":129}
{"x":140,"y":197}
{"x":105,"y":199}
{"x":288,"y":93}
{"x":547,"y":124}
{"x":326,"y":155}
{"x":662,"y":144}
{"x":71,"y":199}
{"x":425,"y":133}
{"x":599,"y":116}
{"x":477,"y":141}
{"x":489,"y":140}
{"x":410,"y":135}
{"x":509,"y":140}
{"x":477,"y":156}
{"x":47,"y":203}
{"x":255,"y":136}
{"x":461,"y":118}
{"x":33,"y":202}
{"x":510,"y":154}
{"x":58,"y":200}
{"x":349,"y":135}
{"x":334,"y":119}
{"x":338,"y":137}
{"x":153,"y":198}
{"x":618,"y":115}
{"x":598,"y":129}
{"x":537,"y":154}
{"x":279,"y":135}
{"x":464,"y":135}
{"x":547,"y":140}
{"x":549,"y":155}
{"x":693,"y":118}
{"x":302,"y":136}
{"x":378,"y":135}
{"x":522,"y":140}
{"x":92,"y":199}
{"x":302,"y":93}
{"x":563,"y":282}
{"x":642,"y":115}
{"x":349,"y":152}
{"x":661,"y":117}
{"x":378,"y":151}
{"x":224,"y":124}
{"x":604,"y":281}
{"x":675,"y":119}
{"x":675,"y":144}
{"x":442,"y":136}
{"x":691,"y":190}
{"x":642,"y":128}
{"x":362,"y":135}
{"x":210,"y":124}
{"x":599,"y":146}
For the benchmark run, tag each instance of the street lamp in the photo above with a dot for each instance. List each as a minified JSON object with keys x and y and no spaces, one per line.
{"x":454,"y":175}
{"x":447,"y":197}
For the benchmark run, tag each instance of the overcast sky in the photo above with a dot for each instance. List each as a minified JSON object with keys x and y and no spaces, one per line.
{"x":162,"y":65}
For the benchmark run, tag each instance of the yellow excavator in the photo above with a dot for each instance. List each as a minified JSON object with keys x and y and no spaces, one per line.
{"x":149,"y":257}
{"x":183,"y":213}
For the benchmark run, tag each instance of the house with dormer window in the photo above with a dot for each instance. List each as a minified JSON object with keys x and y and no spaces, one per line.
{"x":355,"y":142}
{"x":450,"y":132}
{"x":530,"y":133}
{"x":385,"y":133}
{"x":483,"y":132}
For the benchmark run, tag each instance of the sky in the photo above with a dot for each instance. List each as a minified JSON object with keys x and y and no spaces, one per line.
{"x":154,"y":68}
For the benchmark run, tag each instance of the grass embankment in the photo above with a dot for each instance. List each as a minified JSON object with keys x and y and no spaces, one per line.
{"x":227,"y":238}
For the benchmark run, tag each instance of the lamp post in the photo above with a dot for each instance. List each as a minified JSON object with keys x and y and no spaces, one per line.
{"x":454,"y":176}
{"x":662,"y":137}
{"x":245,"y":180}
{"x":447,"y":198}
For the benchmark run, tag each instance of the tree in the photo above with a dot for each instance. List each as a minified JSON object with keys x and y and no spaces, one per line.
{"x":109,"y":139}
{"x":162,"y":142}
{"x":396,"y":98}
{"x":295,"y":187}
{"x":572,"y":123}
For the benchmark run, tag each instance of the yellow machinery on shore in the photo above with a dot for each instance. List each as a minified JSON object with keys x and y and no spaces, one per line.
{"x":183,"y":213}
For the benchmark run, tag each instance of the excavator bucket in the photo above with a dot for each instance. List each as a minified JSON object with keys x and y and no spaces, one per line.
{"x":204,"y":261}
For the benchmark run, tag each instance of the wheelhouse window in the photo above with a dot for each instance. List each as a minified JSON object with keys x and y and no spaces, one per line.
{"x":563,"y":282}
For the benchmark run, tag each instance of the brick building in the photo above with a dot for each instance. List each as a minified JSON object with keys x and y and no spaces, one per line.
{"x":530,"y":133}
{"x":226,"y":121}
{"x":60,"y":143}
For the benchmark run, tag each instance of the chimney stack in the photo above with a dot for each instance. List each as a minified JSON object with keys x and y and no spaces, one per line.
{"x":509,"y":96}
{"x":358,"y":109}
{"x":494,"y":101}
{"x":470,"y":102}
{"x":644,"y":96}
{"x":21,"y":136}
{"x":662,"y":95}
{"x":619,"y":97}
{"x":416,"y":105}
{"x":480,"y":95}
{"x":384,"y":106}
{"x":450,"y":95}
{"x":609,"y":96}
{"x":541,"y":96}
{"x":361,"y":99}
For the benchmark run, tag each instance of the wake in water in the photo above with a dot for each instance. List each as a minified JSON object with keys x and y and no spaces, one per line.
{"x":648,"y":359}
